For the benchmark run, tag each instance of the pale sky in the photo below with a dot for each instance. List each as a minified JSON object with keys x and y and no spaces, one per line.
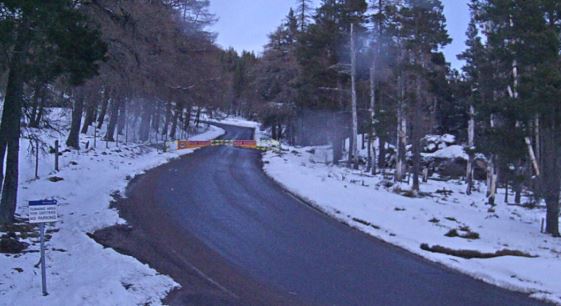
{"x":245,"y":24}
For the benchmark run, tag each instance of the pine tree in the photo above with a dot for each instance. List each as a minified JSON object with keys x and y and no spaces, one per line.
{"x":377,"y":34}
{"x":474,"y":57}
{"x":353,"y":151}
{"x":324,"y":53}
{"x":423,"y":33}
{"x":524,"y":46}
{"x":385,"y":39}
{"x":277,"y":74}
{"x":53,"y":27}
{"x":303,"y":13}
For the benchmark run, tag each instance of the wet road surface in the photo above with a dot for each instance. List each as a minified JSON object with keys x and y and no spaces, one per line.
{"x":219,"y":226}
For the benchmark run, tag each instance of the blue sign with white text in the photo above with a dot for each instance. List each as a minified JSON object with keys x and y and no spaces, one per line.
{"x":43,"y":202}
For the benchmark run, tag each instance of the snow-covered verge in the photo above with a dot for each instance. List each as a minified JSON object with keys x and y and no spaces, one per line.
{"x":371,"y":204}
{"x":80,"y":271}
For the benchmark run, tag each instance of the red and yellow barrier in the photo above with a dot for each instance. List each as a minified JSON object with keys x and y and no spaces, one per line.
{"x":194,"y":144}
{"x":248,"y":144}
{"x":262,"y":145}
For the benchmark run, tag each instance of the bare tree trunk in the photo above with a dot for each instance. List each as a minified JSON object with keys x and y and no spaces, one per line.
{"x":373,"y":87}
{"x":73,"y":140}
{"x":187,"y":120}
{"x":401,"y":132}
{"x":532,"y":155}
{"x":337,"y":150}
{"x":372,"y":129}
{"x":363,"y":141}
{"x":382,"y":152}
{"x":8,"y":201}
{"x":113,"y":119}
{"x":354,"y":148}
{"x":274,"y":131}
{"x":38,"y":101}
{"x":41,"y":110}
{"x":90,"y":115}
{"x":519,"y":176}
{"x":433,"y":118}
{"x":34,"y":104}
{"x":518,"y":192}
{"x":290,"y":131}
{"x":104,"y":105}
{"x":491,"y":180}
{"x":537,"y":137}
{"x":156,"y":114}
{"x":350,"y":148}
{"x":551,"y":176}
{"x":337,"y":140}
{"x":178,"y":112}
{"x":131,"y":126}
{"x":144,"y":128}
{"x":491,"y":172}
{"x":10,"y":128}
{"x":369,"y":157}
{"x":198,"y":117}
{"x":398,"y":161}
{"x":279,"y":130}
{"x":471,"y":148}
{"x":167,"y":119}
{"x":536,"y":157}
{"x":506,"y":189}
{"x":121,"y":126}
{"x":416,"y":150}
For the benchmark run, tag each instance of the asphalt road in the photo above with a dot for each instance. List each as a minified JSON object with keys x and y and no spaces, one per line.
{"x":254,"y":243}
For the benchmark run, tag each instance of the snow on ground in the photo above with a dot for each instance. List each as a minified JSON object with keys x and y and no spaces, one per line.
{"x":239,"y":121}
{"x":451,"y":152}
{"x":80,"y":271}
{"x":371,"y":205}
{"x":440,"y":146}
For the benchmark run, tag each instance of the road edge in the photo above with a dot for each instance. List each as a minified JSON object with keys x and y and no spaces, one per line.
{"x":313,"y":205}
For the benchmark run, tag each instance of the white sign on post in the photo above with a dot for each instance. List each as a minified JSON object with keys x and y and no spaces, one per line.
{"x":44,"y":211}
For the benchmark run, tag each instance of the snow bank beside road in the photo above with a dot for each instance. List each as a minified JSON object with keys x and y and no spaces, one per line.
{"x":367,"y":203}
{"x":80,"y":271}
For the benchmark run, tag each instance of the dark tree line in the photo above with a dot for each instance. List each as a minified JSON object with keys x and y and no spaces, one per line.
{"x":141,"y":70}
{"x":514,"y":83}
{"x":136,"y":70}
{"x":45,"y":41}
{"x":502,"y":104}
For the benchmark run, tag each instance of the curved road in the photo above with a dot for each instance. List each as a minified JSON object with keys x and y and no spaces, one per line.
{"x":217,"y":224}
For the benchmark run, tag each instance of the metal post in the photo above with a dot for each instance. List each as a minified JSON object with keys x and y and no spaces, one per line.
{"x":43,"y":267}
{"x":37,"y":159}
{"x":56,"y":155}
